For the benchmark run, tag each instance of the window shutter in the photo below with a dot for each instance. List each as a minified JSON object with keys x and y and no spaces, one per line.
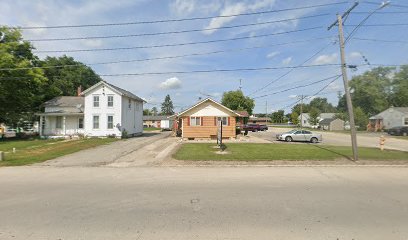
{"x":201,"y":121}
{"x":229,"y":121}
{"x":215,"y":121}
{"x":188,"y":121}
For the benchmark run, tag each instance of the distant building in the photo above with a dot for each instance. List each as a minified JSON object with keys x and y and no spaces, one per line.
{"x":306,"y":120}
{"x":260,"y":120}
{"x":392,"y":117}
{"x":332,"y":124}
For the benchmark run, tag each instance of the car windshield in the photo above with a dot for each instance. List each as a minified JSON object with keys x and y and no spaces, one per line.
{"x":292,"y":131}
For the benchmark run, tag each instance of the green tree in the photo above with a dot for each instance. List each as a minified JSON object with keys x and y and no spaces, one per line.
{"x":235,"y":100}
{"x":399,"y":97}
{"x":167,"y":106}
{"x":322,"y":105}
{"x":314,"y":114}
{"x":154,"y":111}
{"x":360,"y":118}
{"x":278,"y":117}
{"x":65,"y":75}
{"x":297,"y":108}
{"x":19,"y":88}
{"x":147,"y":112}
{"x":295,"y":118}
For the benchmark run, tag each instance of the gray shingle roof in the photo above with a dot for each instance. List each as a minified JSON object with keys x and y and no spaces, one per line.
{"x":124,"y":92}
{"x":65,"y":101}
{"x":154,"y":118}
{"x":326,"y":121}
{"x":401,"y":109}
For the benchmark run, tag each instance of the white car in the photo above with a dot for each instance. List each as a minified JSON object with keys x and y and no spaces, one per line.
{"x":299,"y":135}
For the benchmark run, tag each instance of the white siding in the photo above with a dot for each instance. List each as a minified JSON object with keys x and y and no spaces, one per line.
{"x":102,"y":111}
{"x":132,"y":118}
{"x":71,"y":126}
{"x":208,"y":110}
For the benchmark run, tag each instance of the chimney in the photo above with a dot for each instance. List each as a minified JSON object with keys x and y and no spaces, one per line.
{"x":79,"y":91}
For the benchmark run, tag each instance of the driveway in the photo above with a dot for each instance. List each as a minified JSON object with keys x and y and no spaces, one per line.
{"x":147,"y":149}
{"x":342,"y":139}
{"x":203,"y":203}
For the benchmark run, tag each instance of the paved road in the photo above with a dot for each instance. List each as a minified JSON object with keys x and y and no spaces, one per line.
{"x":342,"y":139}
{"x":203,"y":203}
{"x":139,"y":151}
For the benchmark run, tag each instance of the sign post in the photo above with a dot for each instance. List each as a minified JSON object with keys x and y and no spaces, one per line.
{"x":219,"y":133}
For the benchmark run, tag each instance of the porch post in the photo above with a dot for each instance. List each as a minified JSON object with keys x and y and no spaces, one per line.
{"x":63,"y":125}
{"x":40,"y":128}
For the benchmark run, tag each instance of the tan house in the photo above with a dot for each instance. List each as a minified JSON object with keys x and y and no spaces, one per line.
{"x":332,"y":124}
{"x":201,"y":121}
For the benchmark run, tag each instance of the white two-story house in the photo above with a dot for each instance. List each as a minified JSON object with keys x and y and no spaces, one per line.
{"x":100,"y":111}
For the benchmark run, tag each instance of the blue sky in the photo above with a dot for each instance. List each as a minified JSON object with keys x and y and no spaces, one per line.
{"x":185,"y":89}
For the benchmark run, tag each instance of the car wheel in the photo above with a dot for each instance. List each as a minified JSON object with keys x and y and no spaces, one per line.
{"x":288,"y":139}
{"x":314,"y":140}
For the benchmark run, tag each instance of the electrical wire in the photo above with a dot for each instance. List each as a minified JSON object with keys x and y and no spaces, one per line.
{"x":177,"y":44}
{"x":174,"y":32}
{"x":180,"y":19}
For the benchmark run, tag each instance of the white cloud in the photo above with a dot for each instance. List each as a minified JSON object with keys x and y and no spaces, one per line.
{"x":326,"y":59}
{"x":183,"y":7}
{"x":171,"y":83}
{"x":272,"y":54}
{"x":287,"y":61}
{"x":233,"y":9}
{"x":355,"y":55}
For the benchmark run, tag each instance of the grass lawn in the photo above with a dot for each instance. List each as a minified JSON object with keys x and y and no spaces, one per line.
{"x":33,"y":151}
{"x":270,"y":152}
{"x":151,"y":129}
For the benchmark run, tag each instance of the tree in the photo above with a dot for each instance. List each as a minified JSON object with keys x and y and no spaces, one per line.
{"x":400,"y":88}
{"x":322,"y":105}
{"x":235,"y":100}
{"x":297,"y":108}
{"x":314,"y":114}
{"x":154,"y":111}
{"x":147,"y":112}
{"x":20,"y":88}
{"x":278,"y":117}
{"x":65,"y":80}
{"x":167,"y":106}
{"x":295,"y":118}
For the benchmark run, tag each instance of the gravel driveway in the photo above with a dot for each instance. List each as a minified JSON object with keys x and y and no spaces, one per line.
{"x":139,"y":151}
{"x":343,"y":139}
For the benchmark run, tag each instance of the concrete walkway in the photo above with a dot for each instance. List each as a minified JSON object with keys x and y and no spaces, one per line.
{"x":136,"y":151}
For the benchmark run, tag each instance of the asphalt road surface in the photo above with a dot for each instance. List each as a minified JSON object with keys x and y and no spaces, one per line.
{"x":342,"y":139}
{"x":203,"y":203}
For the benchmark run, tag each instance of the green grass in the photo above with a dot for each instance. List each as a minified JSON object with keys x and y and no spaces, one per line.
{"x":34,"y":151}
{"x":270,"y":152}
{"x":151,"y":129}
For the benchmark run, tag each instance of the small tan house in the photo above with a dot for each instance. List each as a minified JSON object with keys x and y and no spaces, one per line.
{"x":201,"y":120}
{"x":332,"y":124}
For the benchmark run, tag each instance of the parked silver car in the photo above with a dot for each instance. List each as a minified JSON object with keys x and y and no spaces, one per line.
{"x":300,"y":135}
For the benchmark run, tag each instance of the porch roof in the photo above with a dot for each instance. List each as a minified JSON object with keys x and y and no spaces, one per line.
{"x":60,"y":113}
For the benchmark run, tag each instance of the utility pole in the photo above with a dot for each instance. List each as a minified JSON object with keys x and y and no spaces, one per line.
{"x":266,"y":109}
{"x":339,"y":22}
{"x":240,"y":85}
{"x":301,"y":111}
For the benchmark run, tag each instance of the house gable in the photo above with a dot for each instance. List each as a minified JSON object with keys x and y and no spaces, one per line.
{"x":209,"y":107}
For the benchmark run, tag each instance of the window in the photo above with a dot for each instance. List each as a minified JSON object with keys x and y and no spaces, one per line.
{"x":96,"y":101}
{"x":110,"y":101}
{"x":58,"y":123}
{"x":110,"y":122}
{"x":80,"y":123}
{"x":95,"y":122}
{"x":406,"y":121}
{"x":195,"y":121}
{"x":130,"y":103}
{"x":224,"y":120}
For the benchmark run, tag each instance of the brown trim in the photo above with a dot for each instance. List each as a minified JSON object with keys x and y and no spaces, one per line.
{"x":201,"y":121}
{"x":229,"y":121}
{"x":215,"y":121}
{"x":188,"y":121}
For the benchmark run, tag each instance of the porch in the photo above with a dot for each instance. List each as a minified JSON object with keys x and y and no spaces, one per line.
{"x":61,"y":124}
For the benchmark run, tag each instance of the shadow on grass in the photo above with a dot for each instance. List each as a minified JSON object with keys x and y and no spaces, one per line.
{"x":332,"y":151}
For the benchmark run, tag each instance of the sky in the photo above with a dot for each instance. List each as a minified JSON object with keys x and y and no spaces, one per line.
{"x":277,"y":52}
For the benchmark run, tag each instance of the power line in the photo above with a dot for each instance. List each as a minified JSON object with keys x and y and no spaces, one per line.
{"x":380,"y":40}
{"x":300,"y":86}
{"x":175,"y":32}
{"x":291,"y":70}
{"x":180,"y":19}
{"x":176,"y":44}
{"x":392,"y":4}
{"x":378,"y":25}
{"x":204,"y":71}
{"x":168,"y":57}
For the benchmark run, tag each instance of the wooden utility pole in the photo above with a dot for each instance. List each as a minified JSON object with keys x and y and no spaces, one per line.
{"x":339,"y":23}
{"x":301,"y":111}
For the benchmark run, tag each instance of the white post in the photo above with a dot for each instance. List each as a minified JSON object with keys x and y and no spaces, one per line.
{"x":40,"y":128}
{"x":63,"y":125}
